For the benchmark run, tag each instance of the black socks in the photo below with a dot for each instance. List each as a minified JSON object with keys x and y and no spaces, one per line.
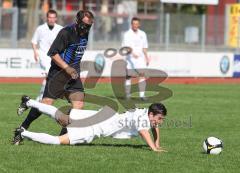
{"x":32,"y":115}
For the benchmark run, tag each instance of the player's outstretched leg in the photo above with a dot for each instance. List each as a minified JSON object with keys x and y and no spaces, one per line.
{"x":36,"y":109}
{"x":48,"y":110}
{"x":38,"y":137}
{"x":41,"y":137}
{"x":32,"y":115}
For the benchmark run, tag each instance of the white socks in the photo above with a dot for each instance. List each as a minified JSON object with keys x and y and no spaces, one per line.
{"x":41,"y":137}
{"x":128,"y":88}
{"x":141,"y":86}
{"x":128,"y":82}
{"x":46,"y":109}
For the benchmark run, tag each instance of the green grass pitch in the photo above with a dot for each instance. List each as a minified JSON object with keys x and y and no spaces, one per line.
{"x":194,"y":113}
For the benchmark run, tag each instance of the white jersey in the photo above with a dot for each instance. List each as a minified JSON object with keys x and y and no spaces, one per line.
{"x":137,"y":41}
{"x":44,"y":37}
{"x":129,"y":123}
{"x":132,"y":122}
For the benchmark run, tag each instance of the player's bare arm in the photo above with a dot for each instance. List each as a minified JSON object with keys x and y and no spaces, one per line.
{"x":69,"y":70}
{"x":147,"y":137}
{"x":146,"y":56}
{"x":35,"y":52}
{"x":64,"y":139}
{"x":156,"y":136}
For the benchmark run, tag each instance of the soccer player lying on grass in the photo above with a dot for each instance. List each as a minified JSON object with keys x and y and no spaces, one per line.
{"x":132,"y":123}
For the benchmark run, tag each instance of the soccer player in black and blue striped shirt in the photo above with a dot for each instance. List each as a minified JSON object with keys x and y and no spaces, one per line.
{"x":63,"y":76}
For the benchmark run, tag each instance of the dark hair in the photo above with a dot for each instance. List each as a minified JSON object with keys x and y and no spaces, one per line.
{"x":82,"y":13}
{"x":51,"y":11}
{"x":135,"y":19}
{"x":157,"y":108}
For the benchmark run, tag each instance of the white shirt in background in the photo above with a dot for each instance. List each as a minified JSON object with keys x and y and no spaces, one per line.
{"x":137,"y":41}
{"x":44,"y":37}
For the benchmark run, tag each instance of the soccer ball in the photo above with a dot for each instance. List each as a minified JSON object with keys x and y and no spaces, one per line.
{"x":99,"y":63}
{"x":213,"y":145}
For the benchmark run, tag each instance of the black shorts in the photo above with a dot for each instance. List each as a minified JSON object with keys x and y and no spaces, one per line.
{"x":60,"y":84}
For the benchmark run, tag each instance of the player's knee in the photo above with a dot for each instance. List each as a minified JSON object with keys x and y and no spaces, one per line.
{"x":77,"y":100}
{"x":64,"y":139}
{"x":62,"y":118}
{"x":77,"y":104}
{"x":47,"y":101}
{"x":76,"y":96}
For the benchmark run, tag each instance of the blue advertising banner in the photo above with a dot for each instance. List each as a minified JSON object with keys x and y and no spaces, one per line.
{"x":236,"y":66}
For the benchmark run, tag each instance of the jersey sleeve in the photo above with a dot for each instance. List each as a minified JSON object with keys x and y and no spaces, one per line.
{"x":59,"y":44}
{"x":144,"y":124}
{"x":142,"y":120}
{"x":35,"y":37}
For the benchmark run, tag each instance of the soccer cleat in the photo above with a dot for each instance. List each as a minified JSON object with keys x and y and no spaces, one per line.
{"x":23,"y":105}
{"x":17,"y":136}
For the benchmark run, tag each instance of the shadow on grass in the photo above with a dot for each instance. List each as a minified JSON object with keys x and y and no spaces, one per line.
{"x":137,"y":146}
{"x":116,"y":145}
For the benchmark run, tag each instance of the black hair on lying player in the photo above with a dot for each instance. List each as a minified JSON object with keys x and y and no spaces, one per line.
{"x":157,"y":108}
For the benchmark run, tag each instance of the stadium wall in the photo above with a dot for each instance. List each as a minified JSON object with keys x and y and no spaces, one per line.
{"x":20,"y":63}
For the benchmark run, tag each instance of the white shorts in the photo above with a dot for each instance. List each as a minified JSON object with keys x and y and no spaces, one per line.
{"x":109,"y":126}
{"x":45,"y":62}
{"x":136,"y":63}
{"x":87,"y":134}
{"x":80,"y":135}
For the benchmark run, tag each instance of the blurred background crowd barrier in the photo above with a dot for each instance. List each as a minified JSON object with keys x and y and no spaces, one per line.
{"x":168,"y":27}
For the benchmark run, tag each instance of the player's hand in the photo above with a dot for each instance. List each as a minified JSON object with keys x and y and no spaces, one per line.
{"x":160,"y":150}
{"x":157,"y":145}
{"x":147,"y":60}
{"x":147,"y":63}
{"x":72,"y":72}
